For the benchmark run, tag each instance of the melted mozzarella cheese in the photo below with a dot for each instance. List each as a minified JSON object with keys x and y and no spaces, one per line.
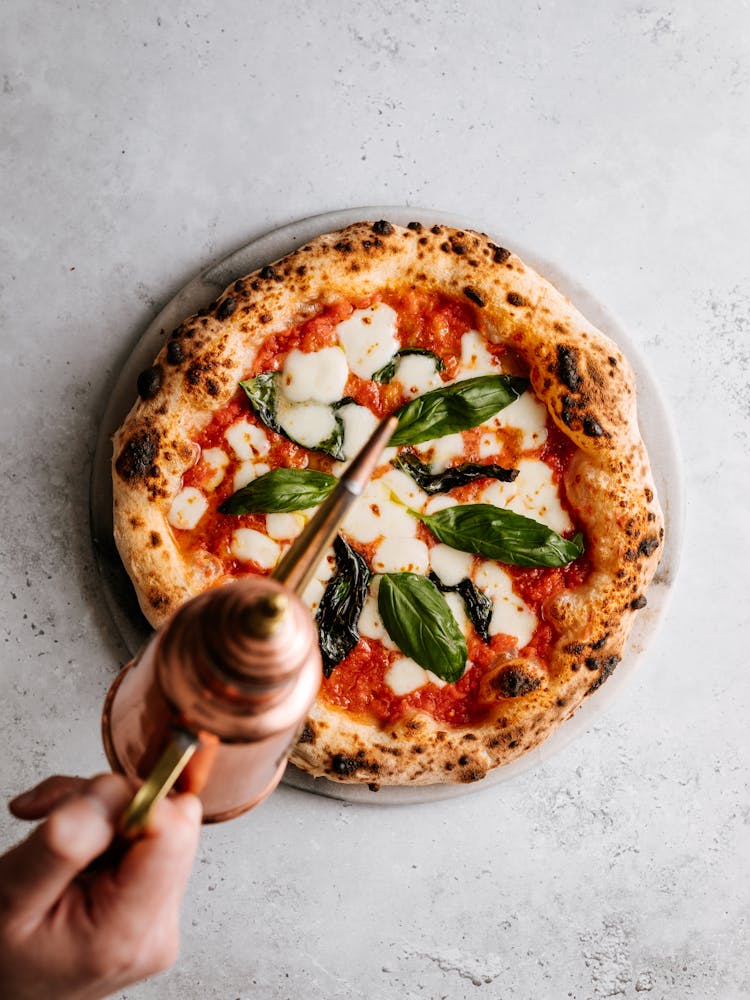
{"x":529,"y":416}
{"x":475,"y":358}
{"x":249,"y":545}
{"x":216,"y":459}
{"x":370,"y":623}
{"x":319,"y":376}
{"x":457,"y":606}
{"x":247,"y":472}
{"x":313,"y":594}
{"x":247,"y":440}
{"x":439,"y":502}
{"x":188,"y":507}
{"x":401,"y":555}
{"x":533,"y":494}
{"x":375,"y":514}
{"x":282,"y":526}
{"x":489,"y":444}
{"x":417,"y":374}
{"x":404,"y":676}
{"x":441,"y":452}
{"x":449,"y":564}
{"x":326,"y":567}
{"x":368,"y":338}
{"x":403,"y":488}
{"x":359,"y":423}
{"x":306,"y":423}
{"x":510,"y":615}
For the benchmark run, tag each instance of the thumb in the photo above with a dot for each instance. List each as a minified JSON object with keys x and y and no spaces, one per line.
{"x":35,"y":874}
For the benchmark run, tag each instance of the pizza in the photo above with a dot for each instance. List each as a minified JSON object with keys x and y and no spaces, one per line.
{"x":486,"y":581}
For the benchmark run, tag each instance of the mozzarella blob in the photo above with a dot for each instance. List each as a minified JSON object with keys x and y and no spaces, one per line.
{"x":475,"y":358}
{"x":187,"y":508}
{"x":247,"y":472}
{"x":401,"y":555}
{"x":375,"y":515}
{"x":319,"y":376}
{"x":359,"y":423}
{"x":249,"y":545}
{"x":532,"y":494}
{"x":417,"y":374}
{"x":216,"y":460}
{"x":404,"y":676}
{"x":441,"y":452}
{"x":247,"y":440}
{"x":450,"y":565}
{"x":282,"y":526}
{"x":306,"y":423}
{"x":369,"y":338}
{"x":529,"y":416}
{"x":510,"y":615}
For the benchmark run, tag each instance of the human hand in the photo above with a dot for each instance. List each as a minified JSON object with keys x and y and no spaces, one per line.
{"x":71,"y":934}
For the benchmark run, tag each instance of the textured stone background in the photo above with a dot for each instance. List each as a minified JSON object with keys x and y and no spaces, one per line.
{"x":142,"y":142}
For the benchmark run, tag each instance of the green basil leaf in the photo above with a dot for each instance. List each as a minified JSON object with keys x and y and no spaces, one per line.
{"x":386,"y":373}
{"x":457,"y":475}
{"x":420,"y":622}
{"x":455,"y":407}
{"x":341,"y":605}
{"x":262,"y":392}
{"x":477,"y":604}
{"x":501,"y":534}
{"x":280,"y":491}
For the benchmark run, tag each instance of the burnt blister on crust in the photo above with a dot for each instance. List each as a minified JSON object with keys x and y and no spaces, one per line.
{"x":175,"y":352}
{"x":345,"y":765}
{"x":514,"y":682}
{"x":149,"y":382}
{"x":473,"y":296}
{"x":567,"y":367}
{"x":226,"y":308}
{"x":499,"y":254}
{"x":136,"y":460}
{"x":382,"y":228}
{"x":607,"y":667}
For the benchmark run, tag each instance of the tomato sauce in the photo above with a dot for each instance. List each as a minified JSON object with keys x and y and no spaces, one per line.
{"x":435,"y":322}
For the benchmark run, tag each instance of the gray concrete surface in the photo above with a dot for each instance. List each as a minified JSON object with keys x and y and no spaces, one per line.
{"x":142,"y":142}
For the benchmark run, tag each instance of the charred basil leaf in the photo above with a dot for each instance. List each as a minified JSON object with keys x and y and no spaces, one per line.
{"x":458,"y":475}
{"x":420,"y":622}
{"x":280,"y":491}
{"x":501,"y":534}
{"x":455,"y":407}
{"x":341,"y":605}
{"x":263,"y":394}
{"x":386,"y":373}
{"x":478,"y":605}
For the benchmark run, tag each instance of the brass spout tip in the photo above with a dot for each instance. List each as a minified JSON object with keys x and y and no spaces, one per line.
{"x":264,"y":616}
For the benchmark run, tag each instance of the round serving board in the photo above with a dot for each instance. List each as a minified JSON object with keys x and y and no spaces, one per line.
{"x":654,"y":419}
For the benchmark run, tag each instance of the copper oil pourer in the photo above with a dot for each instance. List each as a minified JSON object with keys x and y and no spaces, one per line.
{"x":216,"y":698}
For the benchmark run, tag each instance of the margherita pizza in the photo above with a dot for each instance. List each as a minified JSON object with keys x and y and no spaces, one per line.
{"x":486,"y":581}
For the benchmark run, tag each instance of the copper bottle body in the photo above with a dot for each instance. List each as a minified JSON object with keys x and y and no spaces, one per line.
{"x":238,"y":666}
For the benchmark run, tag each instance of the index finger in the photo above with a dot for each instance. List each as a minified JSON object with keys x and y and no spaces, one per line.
{"x":154,"y":871}
{"x":35,"y":874}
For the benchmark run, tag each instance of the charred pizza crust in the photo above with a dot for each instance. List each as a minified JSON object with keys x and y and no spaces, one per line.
{"x":579,"y":374}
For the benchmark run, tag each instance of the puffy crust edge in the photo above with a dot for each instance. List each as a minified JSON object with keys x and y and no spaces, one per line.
{"x":580,"y":375}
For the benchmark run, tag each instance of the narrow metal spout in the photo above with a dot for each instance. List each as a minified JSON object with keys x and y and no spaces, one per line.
{"x":298,"y":566}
